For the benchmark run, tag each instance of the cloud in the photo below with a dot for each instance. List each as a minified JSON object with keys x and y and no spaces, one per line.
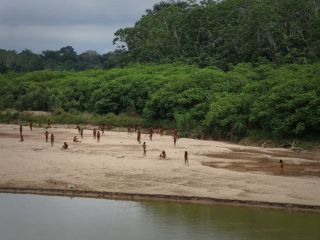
{"x":50,"y":24}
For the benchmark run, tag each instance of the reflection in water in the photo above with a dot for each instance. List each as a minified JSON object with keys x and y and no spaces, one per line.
{"x":29,"y":217}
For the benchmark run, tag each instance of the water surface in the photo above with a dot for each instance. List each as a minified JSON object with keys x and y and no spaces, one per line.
{"x":32,"y":217}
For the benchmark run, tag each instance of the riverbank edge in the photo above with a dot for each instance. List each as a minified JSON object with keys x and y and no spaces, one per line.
{"x":160,"y":197}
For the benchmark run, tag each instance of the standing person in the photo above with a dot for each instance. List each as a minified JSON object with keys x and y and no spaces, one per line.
{"x":94,"y":133}
{"x":78,"y":127}
{"x":52,"y":139}
{"x":139,"y":136}
{"x":98,"y":136}
{"x":186,"y":159}
{"x":21,"y":138}
{"x":161,"y":131}
{"x":144,"y":146}
{"x":30,"y":124}
{"x":281,"y":167}
{"x":20,"y":129}
{"x":81,"y":133}
{"x":102,"y":128}
{"x":46,"y":133}
{"x":150,"y":133}
{"x":175,"y":137}
{"x":129,"y":130}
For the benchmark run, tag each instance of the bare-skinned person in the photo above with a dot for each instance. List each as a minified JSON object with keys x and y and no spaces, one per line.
{"x":281,"y":167}
{"x":186,"y":158}
{"x":161,"y":131}
{"x":31,"y":125}
{"x":144,"y":146}
{"x":52,"y":139}
{"x":79,"y":129}
{"x":139,"y":136}
{"x":98,"y":136}
{"x":81,"y":133}
{"x":65,"y":146}
{"x":102,"y":129}
{"x":175,"y":137}
{"x":163,"y":155}
{"x":150,"y":133}
{"x":21,"y":138}
{"x":94,"y":133}
{"x":20,"y":129}
{"x":75,"y":139}
{"x":46,"y":134}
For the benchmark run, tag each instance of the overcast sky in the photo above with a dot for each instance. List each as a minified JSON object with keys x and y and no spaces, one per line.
{"x":51,"y":24}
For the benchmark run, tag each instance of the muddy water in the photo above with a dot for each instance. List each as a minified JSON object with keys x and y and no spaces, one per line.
{"x":31,"y":217}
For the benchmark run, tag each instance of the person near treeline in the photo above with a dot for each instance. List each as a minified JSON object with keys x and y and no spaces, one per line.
{"x":94,"y":133}
{"x":175,"y":137}
{"x":281,"y":167}
{"x":144,"y":146}
{"x":98,"y":136}
{"x":139,"y":136}
{"x":30,"y":125}
{"x":21,"y":138}
{"x":20,"y":129}
{"x":186,"y":158}
{"x":81,"y":133}
{"x":161,"y":131}
{"x":52,"y":139}
{"x":46,"y":133}
{"x":150,"y":133}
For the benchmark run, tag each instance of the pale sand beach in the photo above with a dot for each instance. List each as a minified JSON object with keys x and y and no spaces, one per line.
{"x":116,"y":164}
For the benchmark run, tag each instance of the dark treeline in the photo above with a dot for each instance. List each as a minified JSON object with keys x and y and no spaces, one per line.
{"x":278,"y":102}
{"x":64,"y":59}
{"x":226,"y":32}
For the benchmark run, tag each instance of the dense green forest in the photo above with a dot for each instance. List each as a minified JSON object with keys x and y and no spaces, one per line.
{"x":227,"y":68}
{"x":280,"y":101}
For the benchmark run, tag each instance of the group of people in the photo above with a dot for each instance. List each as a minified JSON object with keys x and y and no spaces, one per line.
{"x":163,"y":154}
{"x":97,"y":136}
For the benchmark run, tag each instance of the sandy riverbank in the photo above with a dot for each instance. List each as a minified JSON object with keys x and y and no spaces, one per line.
{"x":115,"y":165}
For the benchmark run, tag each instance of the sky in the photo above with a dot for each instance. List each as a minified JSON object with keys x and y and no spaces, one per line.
{"x":51,"y":24}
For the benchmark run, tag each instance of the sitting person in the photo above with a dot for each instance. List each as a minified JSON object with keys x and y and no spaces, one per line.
{"x":65,"y":146}
{"x":163,"y":155}
{"x":75,"y":139}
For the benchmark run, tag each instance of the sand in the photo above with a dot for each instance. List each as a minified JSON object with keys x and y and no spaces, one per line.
{"x":217,"y":169}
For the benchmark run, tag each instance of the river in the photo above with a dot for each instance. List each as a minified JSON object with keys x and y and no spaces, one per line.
{"x":32,"y":217}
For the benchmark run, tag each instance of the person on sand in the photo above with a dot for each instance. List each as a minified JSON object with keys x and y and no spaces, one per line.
{"x":150,"y":133}
{"x":144,"y":146}
{"x":65,"y":146}
{"x":161,"y":131}
{"x":163,"y":155}
{"x":186,"y":159}
{"x":98,"y":136}
{"x":21,"y":138}
{"x":75,"y":139}
{"x":129,"y":130}
{"x":46,"y":133}
{"x":139,"y":136}
{"x":20,"y":129}
{"x":175,"y":137}
{"x":94,"y":133}
{"x":281,"y":167}
{"x":30,"y":125}
{"x":52,"y":139}
{"x":81,"y":133}
{"x":79,"y":129}
{"x":102,"y":129}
